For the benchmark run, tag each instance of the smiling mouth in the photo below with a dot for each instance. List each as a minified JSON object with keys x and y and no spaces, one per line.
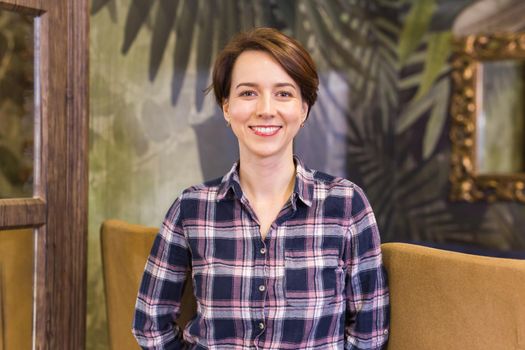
{"x":265,"y":130}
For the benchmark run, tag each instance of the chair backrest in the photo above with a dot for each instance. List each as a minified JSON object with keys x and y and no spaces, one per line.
{"x":16,"y":289}
{"x":125,"y":249}
{"x":448,"y":300}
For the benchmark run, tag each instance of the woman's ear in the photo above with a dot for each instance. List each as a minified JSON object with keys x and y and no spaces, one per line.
{"x":225,"y":107}
{"x":305,"y":111}
{"x":226,"y":111}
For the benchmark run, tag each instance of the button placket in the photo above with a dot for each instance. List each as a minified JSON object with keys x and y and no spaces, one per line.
{"x":263,"y":256}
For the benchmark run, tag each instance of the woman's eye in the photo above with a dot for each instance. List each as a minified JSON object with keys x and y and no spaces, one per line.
{"x":284,"y":94}
{"x":247,"y":93}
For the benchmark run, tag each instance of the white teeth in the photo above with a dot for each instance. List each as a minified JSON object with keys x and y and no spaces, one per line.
{"x":265,"y":130}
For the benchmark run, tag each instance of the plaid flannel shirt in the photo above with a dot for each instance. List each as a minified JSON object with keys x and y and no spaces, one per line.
{"x":316,"y":281}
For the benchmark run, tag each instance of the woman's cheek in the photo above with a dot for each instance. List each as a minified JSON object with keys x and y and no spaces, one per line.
{"x":293,"y":110}
{"x":241,"y":108}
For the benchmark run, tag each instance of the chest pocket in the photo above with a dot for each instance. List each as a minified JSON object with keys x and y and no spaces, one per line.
{"x":312,"y":280}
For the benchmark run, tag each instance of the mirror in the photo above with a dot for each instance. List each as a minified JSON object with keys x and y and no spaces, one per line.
{"x":488,"y":118}
{"x":501,"y":117}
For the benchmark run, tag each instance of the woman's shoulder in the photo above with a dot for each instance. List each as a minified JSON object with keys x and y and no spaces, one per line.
{"x":322,"y":185}
{"x":202,"y":189}
{"x":340,"y":192}
{"x":326,"y":185}
{"x":326,"y":181}
{"x":319,"y":178}
{"x":188,"y":200}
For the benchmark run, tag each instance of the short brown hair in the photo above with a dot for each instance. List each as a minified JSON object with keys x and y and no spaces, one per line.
{"x":288,"y":52}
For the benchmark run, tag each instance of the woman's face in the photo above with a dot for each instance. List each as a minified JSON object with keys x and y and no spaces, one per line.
{"x":264,"y":108}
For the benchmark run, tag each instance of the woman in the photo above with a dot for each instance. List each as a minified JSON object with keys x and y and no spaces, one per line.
{"x":282,"y":257}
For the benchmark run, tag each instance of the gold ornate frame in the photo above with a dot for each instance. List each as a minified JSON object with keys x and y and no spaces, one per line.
{"x":466,"y":183}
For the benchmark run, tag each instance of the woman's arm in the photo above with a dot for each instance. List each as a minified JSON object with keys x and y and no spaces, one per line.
{"x":367,"y":304}
{"x":158,"y":301}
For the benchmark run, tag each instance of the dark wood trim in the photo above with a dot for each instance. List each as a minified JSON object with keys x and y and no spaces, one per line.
{"x":61,"y":258}
{"x":27,"y":7}
{"x":23,"y":212}
{"x":59,"y":210}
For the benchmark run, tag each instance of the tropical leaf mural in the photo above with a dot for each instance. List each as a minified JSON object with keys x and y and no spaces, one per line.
{"x":423,"y":212}
{"x":16,"y":105}
{"x":424,"y":88}
{"x":381,"y":119}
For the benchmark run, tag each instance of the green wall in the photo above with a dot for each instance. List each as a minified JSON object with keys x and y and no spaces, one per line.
{"x":382,"y":117}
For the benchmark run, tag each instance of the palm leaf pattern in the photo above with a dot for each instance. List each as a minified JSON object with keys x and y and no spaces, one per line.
{"x":381,"y":118}
{"x":16,"y":105}
{"x":422,"y":211}
{"x":382,"y":110}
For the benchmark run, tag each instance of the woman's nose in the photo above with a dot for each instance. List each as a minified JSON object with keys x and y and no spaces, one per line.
{"x":265,"y":106}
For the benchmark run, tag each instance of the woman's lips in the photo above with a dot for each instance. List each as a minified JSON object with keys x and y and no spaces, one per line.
{"x":265,"y":130}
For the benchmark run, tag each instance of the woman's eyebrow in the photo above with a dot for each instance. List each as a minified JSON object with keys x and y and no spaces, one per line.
{"x":285,"y":85}
{"x":248,"y":84}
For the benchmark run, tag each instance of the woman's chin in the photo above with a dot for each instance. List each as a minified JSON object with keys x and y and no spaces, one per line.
{"x":267,"y":152}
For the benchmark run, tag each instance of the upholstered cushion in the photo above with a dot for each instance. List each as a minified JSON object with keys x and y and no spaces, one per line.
{"x":125,"y":249}
{"x":16,"y":289}
{"x":447,"y":300}
{"x":439,"y":299}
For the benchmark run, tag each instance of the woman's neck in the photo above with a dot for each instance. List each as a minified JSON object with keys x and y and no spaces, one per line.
{"x":264,"y":179}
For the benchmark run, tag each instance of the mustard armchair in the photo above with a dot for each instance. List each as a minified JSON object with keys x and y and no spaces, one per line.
{"x":16,"y":289}
{"x":125,"y":248}
{"x":439,"y":299}
{"x":442,"y":300}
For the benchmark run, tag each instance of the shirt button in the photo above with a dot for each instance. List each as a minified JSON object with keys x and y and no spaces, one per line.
{"x":263,"y":251}
{"x":261,"y":325}
{"x":262,"y":288}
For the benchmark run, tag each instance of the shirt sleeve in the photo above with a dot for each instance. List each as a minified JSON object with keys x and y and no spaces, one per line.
{"x":158,"y":301}
{"x":367,"y":303}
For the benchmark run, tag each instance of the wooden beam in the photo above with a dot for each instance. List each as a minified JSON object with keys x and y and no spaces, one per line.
{"x":26,"y":7}
{"x":62,"y":179}
{"x":23,"y":212}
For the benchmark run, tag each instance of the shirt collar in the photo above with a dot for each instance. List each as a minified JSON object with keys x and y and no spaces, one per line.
{"x":230,"y":181}
{"x":304,"y":182}
{"x":303,"y":188}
